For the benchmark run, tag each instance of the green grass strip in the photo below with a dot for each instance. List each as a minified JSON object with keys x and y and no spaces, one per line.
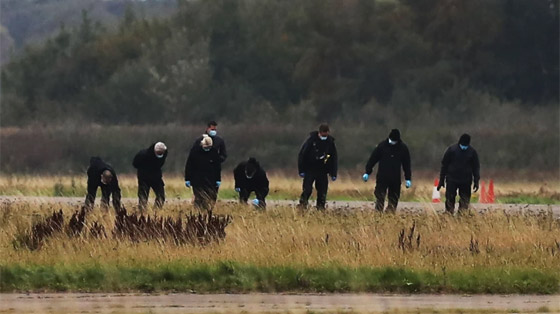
{"x":232,"y":277}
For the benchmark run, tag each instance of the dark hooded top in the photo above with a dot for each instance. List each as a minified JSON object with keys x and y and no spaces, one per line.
{"x":390,"y":158}
{"x":317,"y":155}
{"x":460,"y":166}
{"x":218,"y":143}
{"x":96,"y":167}
{"x":203,"y":168}
{"x":258,"y":183}
{"x":148,"y":165}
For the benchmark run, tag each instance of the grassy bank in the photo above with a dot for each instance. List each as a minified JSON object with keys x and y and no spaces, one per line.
{"x":233,"y":277}
{"x":282,"y":187}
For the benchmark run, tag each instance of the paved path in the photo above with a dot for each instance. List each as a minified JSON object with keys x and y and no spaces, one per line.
{"x":255,"y":303}
{"x":356,"y":205}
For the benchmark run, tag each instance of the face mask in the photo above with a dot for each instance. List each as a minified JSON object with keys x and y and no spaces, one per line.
{"x":463,"y":147}
{"x":206,"y":149}
{"x":323,"y":138}
{"x":159,"y":156}
{"x":392,"y":142}
{"x":212,"y":132}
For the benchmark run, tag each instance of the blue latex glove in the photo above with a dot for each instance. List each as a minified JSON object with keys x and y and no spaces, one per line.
{"x":218,"y":183}
{"x":188,"y":184}
{"x":237,"y":190}
{"x":302,"y":174}
{"x":408,"y":184}
{"x":365,"y":177}
{"x":256,"y":202}
{"x":333,"y":178}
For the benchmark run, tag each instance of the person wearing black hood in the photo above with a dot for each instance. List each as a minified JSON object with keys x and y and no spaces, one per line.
{"x":218,"y":142}
{"x":203,"y":173}
{"x":148,"y":163}
{"x":316,"y":160}
{"x":459,"y":168}
{"x":392,"y":155}
{"x":250,"y":177}
{"x":101,"y":174}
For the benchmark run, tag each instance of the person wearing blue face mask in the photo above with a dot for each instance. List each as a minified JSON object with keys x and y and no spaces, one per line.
{"x":317,"y":159}
{"x":460,"y":167}
{"x":218,"y":143}
{"x":203,"y":173}
{"x":148,"y":163}
{"x":392,"y":154}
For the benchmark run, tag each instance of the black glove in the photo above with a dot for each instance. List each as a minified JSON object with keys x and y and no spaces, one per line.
{"x":475,"y":187}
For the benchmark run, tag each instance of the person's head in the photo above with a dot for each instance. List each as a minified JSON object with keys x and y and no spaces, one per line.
{"x":324,"y":131}
{"x":251,"y":168}
{"x":464,"y":141}
{"x":106,"y":177}
{"x":212,"y":128}
{"x":394,"y":136}
{"x":160,"y":149}
{"x":206,"y":142}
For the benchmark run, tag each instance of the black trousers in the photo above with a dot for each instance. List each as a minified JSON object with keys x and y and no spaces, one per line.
{"x":105,"y":195}
{"x":205,"y":197}
{"x":144,"y":191}
{"x":451,"y":193}
{"x":381,"y":189}
{"x":244,"y":196}
{"x":321,"y":185}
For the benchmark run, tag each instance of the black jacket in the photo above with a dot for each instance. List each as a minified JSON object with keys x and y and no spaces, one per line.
{"x":148,"y":165}
{"x":218,"y":143}
{"x":317,"y":155}
{"x":391,"y":158}
{"x":203,"y":169}
{"x":258,"y":183}
{"x":94,"y":171}
{"x":460,"y":166}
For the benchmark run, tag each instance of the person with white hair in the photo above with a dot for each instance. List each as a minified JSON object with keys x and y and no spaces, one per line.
{"x":101,"y":174}
{"x":148,"y":163}
{"x":203,"y":173}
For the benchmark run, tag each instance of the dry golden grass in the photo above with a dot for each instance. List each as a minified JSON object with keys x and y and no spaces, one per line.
{"x":285,"y":236}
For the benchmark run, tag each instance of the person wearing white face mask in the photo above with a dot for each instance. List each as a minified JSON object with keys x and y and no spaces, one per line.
{"x":203,"y":173}
{"x":459,"y":168}
{"x":218,"y":143}
{"x":391,"y":154}
{"x":148,"y":163}
{"x":250,"y":177}
{"x":317,"y":159}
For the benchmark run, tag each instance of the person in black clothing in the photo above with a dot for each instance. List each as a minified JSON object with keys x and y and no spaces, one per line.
{"x":459,"y":167}
{"x":218,"y":142}
{"x":148,"y":163}
{"x":101,"y":174}
{"x":317,"y":158}
{"x":203,"y":173}
{"x":392,"y":154}
{"x":250,"y":177}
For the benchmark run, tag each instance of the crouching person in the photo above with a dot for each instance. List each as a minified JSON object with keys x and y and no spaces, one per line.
{"x":100,"y":174}
{"x":203,"y":173}
{"x":250,"y":177}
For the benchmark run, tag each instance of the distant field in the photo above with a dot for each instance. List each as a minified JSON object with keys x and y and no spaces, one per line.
{"x":281,"y":187}
{"x":283,"y":249}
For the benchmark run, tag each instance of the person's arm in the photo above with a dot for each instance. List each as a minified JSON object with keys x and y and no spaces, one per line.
{"x":218,"y":170}
{"x":188,"y":166}
{"x":334,"y":161}
{"x":91,"y":191}
{"x":476,"y":168}
{"x":116,"y":191}
{"x":373,"y":159}
{"x":265,"y":185}
{"x":138,"y":160}
{"x":237,"y":174}
{"x":444,"y":166}
{"x":406,"y":164}
{"x":223,"y":153}
{"x":301,"y":157}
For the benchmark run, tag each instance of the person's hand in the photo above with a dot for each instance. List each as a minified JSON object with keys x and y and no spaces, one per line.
{"x":365,"y":177}
{"x":441,"y":184}
{"x":333,"y":178}
{"x":408,"y":184}
{"x":302,"y":174}
{"x":218,"y":183}
{"x":237,"y":190}
{"x":256,"y":202}
{"x":188,"y":184}
{"x":475,"y":187}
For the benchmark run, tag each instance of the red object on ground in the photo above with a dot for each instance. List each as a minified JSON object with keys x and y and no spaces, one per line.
{"x":436,"y":197}
{"x":482,"y":199}
{"x":491,"y":198}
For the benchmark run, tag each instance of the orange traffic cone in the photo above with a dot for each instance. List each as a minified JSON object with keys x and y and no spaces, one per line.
{"x":482,"y":199}
{"x":491,"y":197}
{"x":436,"y":197}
